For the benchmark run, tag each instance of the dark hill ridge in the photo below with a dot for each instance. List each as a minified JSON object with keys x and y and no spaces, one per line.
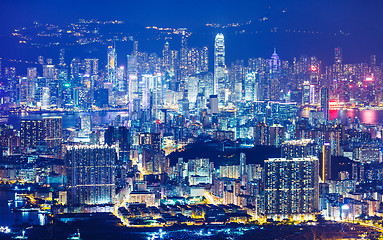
{"x":229,"y":156}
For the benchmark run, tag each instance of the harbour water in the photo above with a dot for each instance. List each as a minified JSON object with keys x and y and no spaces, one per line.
{"x":365,"y":116}
{"x":10,"y":218}
{"x":69,"y":120}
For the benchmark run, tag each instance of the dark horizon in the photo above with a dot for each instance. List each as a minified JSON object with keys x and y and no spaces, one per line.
{"x":355,"y":22}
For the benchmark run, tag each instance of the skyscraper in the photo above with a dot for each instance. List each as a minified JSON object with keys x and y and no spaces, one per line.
{"x":112,"y":65}
{"x":298,"y":149}
{"x":261,"y":134}
{"x":52,"y":128}
{"x":31,"y":133}
{"x":31,"y":84}
{"x":119,"y":136}
{"x":306,"y":93}
{"x":242,"y":163}
{"x":291,"y":186}
{"x":166,"y":57}
{"x":219,"y":67}
{"x":90,"y":174}
{"x":62,"y":58}
{"x":338,"y":58}
{"x":326,"y":162}
{"x":275,"y":72}
{"x":324,"y":103}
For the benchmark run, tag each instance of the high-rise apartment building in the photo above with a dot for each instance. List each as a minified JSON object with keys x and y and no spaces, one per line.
{"x":52,"y":130}
{"x":90,"y":174}
{"x":31,"y":133}
{"x":291,"y":186}
{"x":298,"y":149}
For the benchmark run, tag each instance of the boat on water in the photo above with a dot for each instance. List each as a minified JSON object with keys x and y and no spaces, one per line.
{"x":3,"y":118}
{"x":20,"y":236}
{"x":75,"y":236}
{"x":25,"y":209}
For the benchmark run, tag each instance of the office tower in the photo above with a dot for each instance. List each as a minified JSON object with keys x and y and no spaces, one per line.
{"x":219,"y":67}
{"x":9,"y":138}
{"x":121,"y":81}
{"x":314,"y":71}
{"x":251,"y":87}
{"x":213,"y":104}
{"x":45,"y":98}
{"x":90,"y":174}
{"x":242,"y":163}
{"x":112,"y":65}
{"x":62,"y":58}
{"x":144,"y":93}
{"x":91,"y":66}
{"x":261,"y":134}
{"x":291,"y":186}
{"x":132,"y":75}
{"x":23,"y":91}
{"x":236,"y":78}
{"x":157,"y":89}
{"x":277,"y":135}
{"x":183,"y":61}
{"x":326,"y":162}
{"x":31,"y":84}
{"x":31,"y":133}
{"x":40,"y":60}
{"x":338,"y":56}
{"x":338,"y":69}
{"x":151,"y":139}
{"x":298,"y":149}
{"x":85,"y":126}
{"x":324,"y":103}
{"x":204,"y":59}
{"x":306,"y":93}
{"x":373,"y":60}
{"x":312,"y":94}
{"x":49,"y":71}
{"x":52,"y":130}
{"x":39,"y":84}
{"x":135,"y":48}
{"x":192,"y":87}
{"x":166,"y":57}
{"x":275,"y":72}
{"x":119,"y":136}
{"x":75,"y":72}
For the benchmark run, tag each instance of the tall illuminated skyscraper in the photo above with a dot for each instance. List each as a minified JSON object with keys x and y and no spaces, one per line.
{"x":275,"y":72}
{"x":326,"y":162}
{"x":91,"y":170}
{"x":112,"y":65}
{"x":219,"y":67}
{"x":31,"y":84}
{"x":324,"y":103}
{"x":166,"y":57}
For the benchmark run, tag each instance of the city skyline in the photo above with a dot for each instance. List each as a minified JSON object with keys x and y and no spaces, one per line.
{"x":216,"y":120}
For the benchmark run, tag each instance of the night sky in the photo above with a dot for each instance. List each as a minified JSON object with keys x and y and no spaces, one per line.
{"x":362,"y":19}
